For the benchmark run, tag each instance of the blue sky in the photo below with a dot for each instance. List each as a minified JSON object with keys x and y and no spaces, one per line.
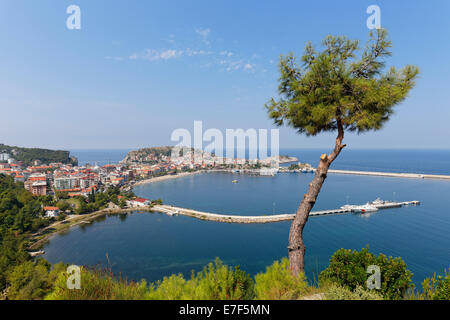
{"x":137,"y":70}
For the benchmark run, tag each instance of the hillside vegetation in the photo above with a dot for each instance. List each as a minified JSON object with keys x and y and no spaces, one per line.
{"x":144,"y":154}
{"x":28,"y":155}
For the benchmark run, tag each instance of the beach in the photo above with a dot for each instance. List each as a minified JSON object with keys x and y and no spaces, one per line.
{"x":166,"y":177}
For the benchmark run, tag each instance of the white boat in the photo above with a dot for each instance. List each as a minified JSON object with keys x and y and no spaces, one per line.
{"x":365,"y":208}
{"x":349,"y":207}
{"x":172,"y":213}
{"x":268,"y":171}
{"x":377,"y":201}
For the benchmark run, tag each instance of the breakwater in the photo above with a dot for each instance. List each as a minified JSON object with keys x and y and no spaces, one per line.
{"x":207,"y":216}
{"x":392,"y":174}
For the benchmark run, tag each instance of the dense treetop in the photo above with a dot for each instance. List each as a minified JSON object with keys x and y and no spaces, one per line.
{"x":334,"y":87}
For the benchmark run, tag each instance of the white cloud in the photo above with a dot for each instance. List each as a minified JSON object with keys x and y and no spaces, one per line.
{"x":114,"y":58}
{"x":227,"y":60}
{"x":226,"y":53}
{"x":204,"y":33}
{"x":155,"y":54}
{"x":235,"y":65}
{"x":192,"y":52}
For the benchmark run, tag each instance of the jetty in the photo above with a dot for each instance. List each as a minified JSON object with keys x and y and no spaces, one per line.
{"x":227,"y":218}
{"x":392,"y":174}
{"x":42,"y":236}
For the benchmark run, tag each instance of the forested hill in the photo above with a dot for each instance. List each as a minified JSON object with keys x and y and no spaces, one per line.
{"x":28,"y":155}
{"x":19,"y":215}
{"x":147,"y":154}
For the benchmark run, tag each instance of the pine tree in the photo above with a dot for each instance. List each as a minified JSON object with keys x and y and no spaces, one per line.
{"x":335,"y":90}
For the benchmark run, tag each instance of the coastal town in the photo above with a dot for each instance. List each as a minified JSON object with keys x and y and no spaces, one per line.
{"x":59,"y":180}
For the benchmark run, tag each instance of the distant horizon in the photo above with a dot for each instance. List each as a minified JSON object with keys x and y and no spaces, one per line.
{"x":168,"y":145}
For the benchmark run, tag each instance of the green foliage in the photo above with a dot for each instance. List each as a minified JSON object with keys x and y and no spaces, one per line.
{"x":12,"y":253}
{"x":334,"y":87}
{"x":82,"y":208}
{"x":437,"y":288}
{"x":174,"y":287}
{"x":101,"y":199}
{"x":220,"y":282}
{"x":64,"y":206}
{"x":279,"y":283}
{"x":142,"y":155}
{"x":98,"y":285}
{"x":336,"y":292}
{"x":19,"y":215}
{"x":60,"y":195}
{"x":348,"y":268}
{"x":216,"y":282}
{"x":32,"y":281}
{"x":122,"y":203}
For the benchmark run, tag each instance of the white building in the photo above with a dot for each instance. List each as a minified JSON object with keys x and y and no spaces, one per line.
{"x":4,"y":156}
{"x":138,"y":202}
{"x":51,"y":212}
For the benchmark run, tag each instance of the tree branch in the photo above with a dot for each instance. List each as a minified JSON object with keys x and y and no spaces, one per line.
{"x":339,"y":146}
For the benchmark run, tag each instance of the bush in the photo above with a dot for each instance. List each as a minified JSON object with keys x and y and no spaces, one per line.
{"x":174,"y":287}
{"x":220,"y":282}
{"x":348,"y":269}
{"x":98,"y":285}
{"x":32,"y":281}
{"x":277,"y":283}
{"x":215,"y":282}
{"x":437,"y":288}
{"x":336,"y":292}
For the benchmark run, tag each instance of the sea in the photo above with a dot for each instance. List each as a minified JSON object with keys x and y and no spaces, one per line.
{"x":151,"y":246}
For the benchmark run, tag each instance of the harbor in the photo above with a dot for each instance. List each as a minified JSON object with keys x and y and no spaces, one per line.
{"x":207,"y":216}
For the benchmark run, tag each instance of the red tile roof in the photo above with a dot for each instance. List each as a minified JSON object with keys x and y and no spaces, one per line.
{"x":51,"y":208}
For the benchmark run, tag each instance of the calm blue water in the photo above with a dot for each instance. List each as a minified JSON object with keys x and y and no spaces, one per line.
{"x":151,"y":246}
{"x":412,"y":161}
{"x":101,"y":157}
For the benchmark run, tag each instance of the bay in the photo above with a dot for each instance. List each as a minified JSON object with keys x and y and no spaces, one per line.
{"x":152,"y":246}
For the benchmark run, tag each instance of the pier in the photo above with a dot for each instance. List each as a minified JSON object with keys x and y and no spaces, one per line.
{"x":392,"y":174}
{"x":42,"y":236}
{"x":207,"y":216}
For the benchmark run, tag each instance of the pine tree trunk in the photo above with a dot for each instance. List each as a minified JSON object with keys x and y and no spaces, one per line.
{"x":296,"y":246}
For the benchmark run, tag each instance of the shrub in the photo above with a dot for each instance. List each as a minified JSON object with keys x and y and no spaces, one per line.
{"x":32,"y":281}
{"x":220,"y":282}
{"x":216,"y":282}
{"x":277,"y":283}
{"x":174,"y":287}
{"x":98,"y":285}
{"x":437,"y":288}
{"x":349,"y":268}
{"x":336,"y":292}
